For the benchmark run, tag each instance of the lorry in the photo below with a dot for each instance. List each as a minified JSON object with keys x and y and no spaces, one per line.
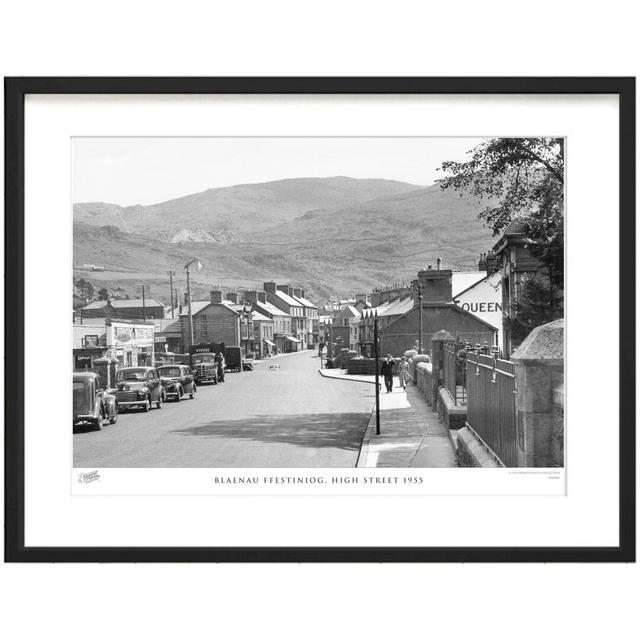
{"x":233,"y":358}
{"x":202,"y":359}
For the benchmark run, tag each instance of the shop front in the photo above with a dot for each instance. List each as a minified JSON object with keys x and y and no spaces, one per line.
{"x":89,"y":344}
{"x":131,"y":343}
{"x":292,"y":344}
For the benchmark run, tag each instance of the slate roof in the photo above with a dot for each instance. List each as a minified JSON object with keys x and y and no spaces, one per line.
{"x":463,"y":280}
{"x":305,"y":302}
{"x":269,"y":308}
{"x":125,"y":304}
{"x":288,"y":299}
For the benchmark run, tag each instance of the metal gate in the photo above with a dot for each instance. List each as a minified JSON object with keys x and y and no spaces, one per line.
{"x":491,"y":404}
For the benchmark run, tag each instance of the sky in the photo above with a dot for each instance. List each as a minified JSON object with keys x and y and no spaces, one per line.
{"x":128,"y":171}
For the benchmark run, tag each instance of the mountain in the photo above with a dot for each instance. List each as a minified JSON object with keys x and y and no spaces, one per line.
{"x":367,"y":233}
{"x":242,"y":212}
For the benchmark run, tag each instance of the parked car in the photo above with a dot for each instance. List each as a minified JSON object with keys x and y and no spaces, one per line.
{"x":92,"y":403}
{"x":139,"y":387}
{"x":177,"y":380}
{"x":205,"y":368}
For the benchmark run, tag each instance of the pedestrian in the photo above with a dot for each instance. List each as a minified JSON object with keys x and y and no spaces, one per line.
{"x":387,"y":371}
{"x":221,"y":365}
{"x":403,"y":373}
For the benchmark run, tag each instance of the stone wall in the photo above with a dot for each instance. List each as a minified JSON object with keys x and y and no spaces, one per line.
{"x":363,"y":366}
{"x":421,"y":374}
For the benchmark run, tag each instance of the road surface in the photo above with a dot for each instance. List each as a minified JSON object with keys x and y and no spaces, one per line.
{"x":286,"y":417}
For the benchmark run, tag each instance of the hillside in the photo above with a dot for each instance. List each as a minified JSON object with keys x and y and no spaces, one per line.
{"x":238,"y":213}
{"x":334,"y":250}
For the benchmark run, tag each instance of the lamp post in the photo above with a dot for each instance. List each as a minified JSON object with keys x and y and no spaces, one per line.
{"x":376,"y":341}
{"x":197,"y":267}
{"x":418,"y":286}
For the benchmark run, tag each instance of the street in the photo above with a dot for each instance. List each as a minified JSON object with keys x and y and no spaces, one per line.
{"x":286,"y":417}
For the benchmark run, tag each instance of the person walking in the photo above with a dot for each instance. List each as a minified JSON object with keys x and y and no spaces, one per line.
{"x":387,"y":371}
{"x":403,"y":373}
{"x":221,"y":366}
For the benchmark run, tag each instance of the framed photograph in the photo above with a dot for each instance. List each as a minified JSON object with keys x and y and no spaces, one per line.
{"x":320,"y":319}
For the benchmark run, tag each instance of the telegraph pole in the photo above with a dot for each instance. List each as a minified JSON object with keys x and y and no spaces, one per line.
{"x":420,"y":314}
{"x":197,"y":267}
{"x":171,"y":274}
{"x":144,"y":308}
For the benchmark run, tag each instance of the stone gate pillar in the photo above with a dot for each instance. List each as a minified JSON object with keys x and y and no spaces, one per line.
{"x":539,"y":370}
{"x":437,"y":359}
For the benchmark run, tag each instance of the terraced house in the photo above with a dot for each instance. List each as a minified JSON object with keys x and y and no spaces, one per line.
{"x":281,"y":296}
{"x":219,"y":320}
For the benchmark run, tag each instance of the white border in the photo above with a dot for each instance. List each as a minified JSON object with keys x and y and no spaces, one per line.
{"x":54,"y":518}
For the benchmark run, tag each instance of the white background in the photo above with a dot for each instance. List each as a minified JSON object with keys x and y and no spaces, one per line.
{"x":332,"y":38}
{"x":53,"y":517}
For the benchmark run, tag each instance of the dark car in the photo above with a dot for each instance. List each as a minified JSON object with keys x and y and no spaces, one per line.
{"x":177,"y":380}
{"x":139,"y":387}
{"x":92,"y":403}
{"x":205,"y":368}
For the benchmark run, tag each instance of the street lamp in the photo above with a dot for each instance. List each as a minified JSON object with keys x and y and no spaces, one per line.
{"x":377,"y":356}
{"x":197,"y":267}
{"x":418,"y":286}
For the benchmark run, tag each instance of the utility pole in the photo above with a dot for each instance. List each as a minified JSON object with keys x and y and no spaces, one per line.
{"x":197,"y":267}
{"x":171,"y":274}
{"x":144,"y":308}
{"x":377,"y":354}
{"x":420,"y":314}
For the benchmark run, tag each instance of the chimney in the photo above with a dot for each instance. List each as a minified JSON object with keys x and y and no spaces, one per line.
{"x":375,"y":299}
{"x":302,"y":292}
{"x":297,"y":292}
{"x":269,"y":287}
{"x":262,"y":296}
{"x":439,"y":264}
{"x":436,"y":285}
{"x":186,"y":299}
{"x":233,"y":296}
{"x":216,"y":296}
{"x":361,"y":297}
{"x":251,"y":296}
{"x":285,"y":288}
{"x":482,"y":263}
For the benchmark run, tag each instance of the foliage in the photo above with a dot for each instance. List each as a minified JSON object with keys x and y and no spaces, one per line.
{"x":538,"y":303}
{"x":103,"y":294}
{"x":517,"y":175}
{"x":85,"y":289}
{"x":522,"y":179}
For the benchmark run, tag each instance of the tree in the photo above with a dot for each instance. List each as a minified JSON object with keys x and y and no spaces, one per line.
{"x":86,"y":290}
{"x":522,"y":178}
{"x":516,"y":175}
{"x":103,"y":294}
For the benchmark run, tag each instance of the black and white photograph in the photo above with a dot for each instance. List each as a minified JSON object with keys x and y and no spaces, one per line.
{"x":318,"y":302}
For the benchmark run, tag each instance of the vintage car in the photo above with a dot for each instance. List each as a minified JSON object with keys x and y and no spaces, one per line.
{"x":205,"y":368}
{"x":139,"y":387}
{"x":92,"y":403}
{"x":177,"y":380}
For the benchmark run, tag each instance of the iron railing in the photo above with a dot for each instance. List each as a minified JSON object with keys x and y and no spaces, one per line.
{"x":454,"y":372}
{"x":491,"y":404}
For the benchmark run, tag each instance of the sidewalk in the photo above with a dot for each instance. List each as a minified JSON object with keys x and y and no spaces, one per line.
{"x":410,"y":434}
{"x":341,"y":374}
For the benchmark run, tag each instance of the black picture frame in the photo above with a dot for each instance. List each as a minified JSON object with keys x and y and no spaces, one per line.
{"x":15,"y":91}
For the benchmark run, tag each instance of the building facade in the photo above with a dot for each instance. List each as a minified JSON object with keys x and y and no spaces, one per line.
{"x":278,"y":295}
{"x":136,"y":309}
